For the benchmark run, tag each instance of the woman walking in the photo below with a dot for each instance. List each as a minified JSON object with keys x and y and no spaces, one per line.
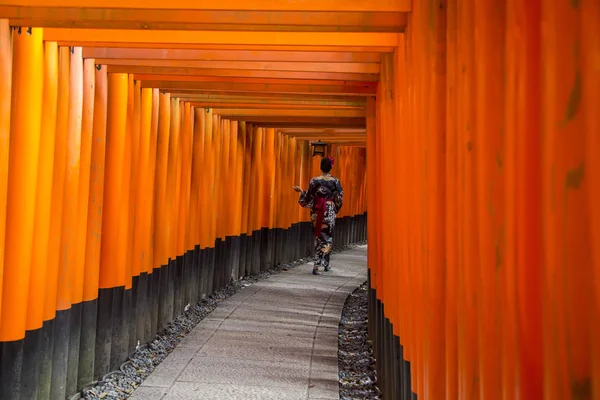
{"x":324,"y":197}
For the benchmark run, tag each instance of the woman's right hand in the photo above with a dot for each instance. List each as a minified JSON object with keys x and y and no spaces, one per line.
{"x":297,"y":189}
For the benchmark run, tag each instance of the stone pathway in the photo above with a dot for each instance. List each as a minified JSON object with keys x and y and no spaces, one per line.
{"x":276,"y":339}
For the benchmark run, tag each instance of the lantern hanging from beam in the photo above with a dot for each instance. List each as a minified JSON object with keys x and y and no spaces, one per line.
{"x":319,"y":148}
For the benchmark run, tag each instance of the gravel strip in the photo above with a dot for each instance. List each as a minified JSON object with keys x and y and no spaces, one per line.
{"x":355,"y":354}
{"x":120,"y":384}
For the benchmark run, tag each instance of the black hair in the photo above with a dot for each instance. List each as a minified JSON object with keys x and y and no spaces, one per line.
{"x":326,"y":165}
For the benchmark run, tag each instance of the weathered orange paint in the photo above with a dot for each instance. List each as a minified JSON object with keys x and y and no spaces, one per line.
{"x":469,"y":295}
{"x":523,"y":303}
{"x":567,"y":276}
{"x":590,"y":68}
{"x":490,"y":19}
{"x":452,"y":207}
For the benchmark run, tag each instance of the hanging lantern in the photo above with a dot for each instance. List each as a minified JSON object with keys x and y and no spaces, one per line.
{"x":319,"y":148}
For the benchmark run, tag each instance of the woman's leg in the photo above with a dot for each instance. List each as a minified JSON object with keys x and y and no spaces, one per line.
{"x":327,"y":234}
{"x":318,"y":255}
{"x":327,"y":239}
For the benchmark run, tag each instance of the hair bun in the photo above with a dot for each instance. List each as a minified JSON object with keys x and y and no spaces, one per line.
{"x":331,"y":160}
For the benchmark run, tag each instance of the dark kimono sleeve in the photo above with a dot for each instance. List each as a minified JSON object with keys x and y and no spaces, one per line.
{"x":338,"y":197}
{"x":307,"y":197}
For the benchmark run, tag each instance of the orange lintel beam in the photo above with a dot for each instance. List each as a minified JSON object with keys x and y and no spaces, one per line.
{"x":249,"y":112}
{"x":119,"y":18}
{"x":260,"y":87}
{"x":233,"y":101}
{"x":350,"y":144}
{"x":340,"y":76}
{"x":334,"y":140}
{"x":326,"y":131}
{"x":357,"y":68}
{"x":249,"y":102}
{"x":230,"y":55}
{"x":272,"y":106}
{"x":324,"y":134}
{"x":355,"y":122}
{"x":324,"y":121}
{"x":232,"y":5}
{"x":223,"y":37}
{"x":270,"y":81}
{"x":200,"y":95}
{"x":328,"y":138}
{"x":242,"y":47}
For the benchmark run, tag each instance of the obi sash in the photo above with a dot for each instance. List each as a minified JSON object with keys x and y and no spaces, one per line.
{"x":320,"y":205}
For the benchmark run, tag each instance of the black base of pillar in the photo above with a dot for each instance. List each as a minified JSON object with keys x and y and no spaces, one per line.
{"x":74,"y":345}
{"x":32,"y":347}
{"x":45,"y":360}
{"x":87,"y":344}
{"x":12,"y":363}
{"x":120,"y":339}
{"x":61,"y":354}
{"x":393,"y":371}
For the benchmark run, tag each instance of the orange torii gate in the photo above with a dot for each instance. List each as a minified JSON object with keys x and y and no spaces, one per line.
{"x":481,"y":133}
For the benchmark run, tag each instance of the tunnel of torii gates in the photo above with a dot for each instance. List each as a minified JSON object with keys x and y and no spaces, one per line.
{"x":148,"y":151}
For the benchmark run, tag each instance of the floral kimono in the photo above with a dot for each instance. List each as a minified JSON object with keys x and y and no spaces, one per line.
{"x":324,"y":197}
